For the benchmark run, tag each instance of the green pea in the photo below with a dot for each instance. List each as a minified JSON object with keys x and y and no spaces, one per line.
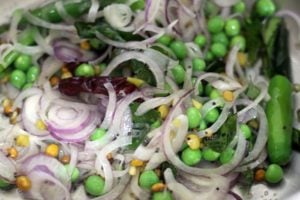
{"x":4,"y":185}
{"x":208,"y":89}
{"x":138,"y":5}
{"x":33,"y":74}
{"x":147,"y":179}
{"x":156,"y":124}
{"x":209,"y":56}
{"x":265,"y":8}
{"x":178,"y":73}
{"x":212,"y":115}
{"x":165,"y":40}
{"x":85,"y":70}
{"x":220,"y":38}
{"x":246,"y":131}
{"x":194,"y":117}
{"x":210,"y":155}
{"x":200,"y":40}
{"x":75,"y":173}
{"x":226,"y":155}
{"x":232,"y":27}
{"x":17,"y":78}
{"x":198,"y":64}
{"x":191,"y":157}
{"x":23,"y":62}
{"x":238,"y":40}
{"x":239,"y":7}
{"x":214,"y":94}
{"x":274,"y":173}
{"x":215,"y":24}
{"x":179,"y":49}
{"x":97,"y":134}
{"x":202,"y":125}
{"x":94,"y":185}
{"x":218,"y":50}
{"x":27,"y":36}
{"x":165,"y":195}
{"x":27,"y":86}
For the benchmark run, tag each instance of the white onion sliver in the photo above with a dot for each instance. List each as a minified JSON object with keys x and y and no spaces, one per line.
{"x":39,"y":22}
{"x":153,"y":66}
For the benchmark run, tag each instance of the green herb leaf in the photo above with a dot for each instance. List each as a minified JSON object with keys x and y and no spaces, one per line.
{"x":142,"y":71}
{"x":219,"y":141}
{"x":252,"y":33}
{"x":141,"y":124}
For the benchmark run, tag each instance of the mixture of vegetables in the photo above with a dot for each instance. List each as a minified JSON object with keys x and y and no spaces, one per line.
{"x":145,"y":99}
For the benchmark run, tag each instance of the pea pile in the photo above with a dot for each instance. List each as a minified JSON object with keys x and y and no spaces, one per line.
{"x":205,"y":105}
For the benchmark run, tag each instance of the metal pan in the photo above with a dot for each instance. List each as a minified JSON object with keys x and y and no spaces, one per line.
{"x":289,"y":189}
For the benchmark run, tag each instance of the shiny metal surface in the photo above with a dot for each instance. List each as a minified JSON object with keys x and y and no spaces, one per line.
{"x":289,"y":189}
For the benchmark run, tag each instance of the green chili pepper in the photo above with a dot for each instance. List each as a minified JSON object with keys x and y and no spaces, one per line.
{"x":279,"y":114}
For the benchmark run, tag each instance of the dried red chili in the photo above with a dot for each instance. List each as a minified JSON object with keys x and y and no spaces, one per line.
{"x":74,"y":85}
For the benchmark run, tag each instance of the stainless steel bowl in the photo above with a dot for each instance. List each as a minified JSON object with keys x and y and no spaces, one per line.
{"x":289,"y":189}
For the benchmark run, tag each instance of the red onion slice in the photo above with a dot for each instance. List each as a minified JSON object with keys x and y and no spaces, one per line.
{"x":47,"y":187}
{"x":30,"y":115}
{"x":49,"y":164}
{"x":69,"y":52}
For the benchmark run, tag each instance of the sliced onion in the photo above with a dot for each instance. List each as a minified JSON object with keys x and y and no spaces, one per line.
{"x":39,"y":22}
{"x":111,"y":107}
{"x":45,"y":186}
{"x":179,"y":190}
{"x":211,"y":77}
{"x":187,"y":85}
{"x":122,"y":108}
{"x":225,"y":3}
{"x":92,"y":14}
{"x":7,"y":167}
{"x":261,"y":138}
{"x":62,"y":11}
{"x":50,"y":66}
{"x":102,"y":57}
{"x":68,"y":52}
{"x":224,"y":85}
{"x":80,"y":134}
{"x":13,"y":36}
{"x":229,"y":68}
{"x":41,"y":42}
{"x":152,"y":8}
{"x":30,"y":115}
{"x":137,"y":190}
{"x":50,"y":165}
{"x":220,"y":121}
{"x":25,"y":94}
{"x":118,"y":16}
{"x":102,"y":162}
{"x":263,"y":94}
{"x":153,"y":66}
{"x":155,"y":102}
{"x":251,"y":165}
{"x":129,"y":45}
